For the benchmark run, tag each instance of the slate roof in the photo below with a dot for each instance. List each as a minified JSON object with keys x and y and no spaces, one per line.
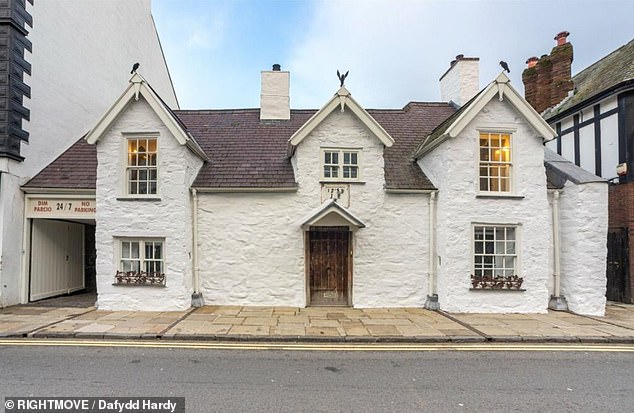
{"x":409,"y":127}
{"x":76,"y":168}
{"x":559,"y":170}
{"x":605,"y":74}
{"x":248,"y":153}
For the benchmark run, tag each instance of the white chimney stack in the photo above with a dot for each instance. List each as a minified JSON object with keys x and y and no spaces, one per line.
{"x":461,"y":81}
{"x":275,"y":100}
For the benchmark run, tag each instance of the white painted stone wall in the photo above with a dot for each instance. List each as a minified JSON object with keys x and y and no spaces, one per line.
{"x":583,"y":231}
{"x":82,"y":55}
{"x":252,"y":245}
{"x":251,"y":249}
{"x":455,"y":171}
{"x":461,"y":82}
{"x":169,"y":218}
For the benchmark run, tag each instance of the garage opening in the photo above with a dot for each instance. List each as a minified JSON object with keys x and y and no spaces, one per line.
{"x":60,"y":246}
{"x":62,"y":258}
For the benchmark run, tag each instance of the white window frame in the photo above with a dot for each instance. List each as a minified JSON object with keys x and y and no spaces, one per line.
{"x":340,"y":164}
{"x":504,"y":254}
{"x":127,"y":168}
{"x":142,"y":258}
{"x":509,"y":163}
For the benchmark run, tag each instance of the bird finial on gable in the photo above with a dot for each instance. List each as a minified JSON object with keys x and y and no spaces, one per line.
{"x":342,"y":78}
{"x":134,"y":67}
{"x":505,"y":66}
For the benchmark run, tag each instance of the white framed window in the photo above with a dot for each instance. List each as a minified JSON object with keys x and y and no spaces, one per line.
{"x":142,"y":256}
{"x":494,"y":251}
{"x":341,"y":164}
{"x":141,"y":168}
{"x":495,"y":162}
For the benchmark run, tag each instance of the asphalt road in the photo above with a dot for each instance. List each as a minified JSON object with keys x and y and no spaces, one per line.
{"x":301,"y":381}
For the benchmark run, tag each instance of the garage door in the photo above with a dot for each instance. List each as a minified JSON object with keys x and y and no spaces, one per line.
{"x":56,"y":258}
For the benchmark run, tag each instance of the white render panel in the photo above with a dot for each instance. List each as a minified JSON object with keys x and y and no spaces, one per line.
{"x":568,"y":147}
{"x":459,"y":209}
{"x":169,"y":217}
{"x":584,"y":225}
{"x":461,"y":82}
{"x":610,"y":103}
{"x":609,"y":146}
{"x":586,"y":148}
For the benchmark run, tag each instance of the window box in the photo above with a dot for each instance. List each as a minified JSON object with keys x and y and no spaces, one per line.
{"x":498,"y":282}
{"x":139,"y":278}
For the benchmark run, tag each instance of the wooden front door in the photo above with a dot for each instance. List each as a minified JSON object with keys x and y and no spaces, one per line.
{"x":329,"y":265}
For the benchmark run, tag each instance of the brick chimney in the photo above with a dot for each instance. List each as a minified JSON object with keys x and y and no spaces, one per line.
{"x":548,"y":80}
{"x":529,"y":78}
{"x":561,"y":57}
{"x":274,"y":99}
{"x":461,"y":81}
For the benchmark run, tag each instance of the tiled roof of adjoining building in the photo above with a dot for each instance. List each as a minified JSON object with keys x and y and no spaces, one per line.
{"x":76,"y":168}
{"x":613,"y":70}
{"x":245,"y":152}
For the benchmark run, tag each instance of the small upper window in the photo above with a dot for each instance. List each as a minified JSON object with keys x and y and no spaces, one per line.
{"x":141,"y":169}
{"x":340,"y":164}
{"x":495,"y":162}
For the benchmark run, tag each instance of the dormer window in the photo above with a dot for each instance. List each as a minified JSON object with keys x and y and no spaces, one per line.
{"x":141,"y":171}
{"x":495,"y":162}
{"x":340,"y":164}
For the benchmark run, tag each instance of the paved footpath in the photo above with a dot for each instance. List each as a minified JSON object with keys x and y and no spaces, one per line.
{"x":317,"y":324}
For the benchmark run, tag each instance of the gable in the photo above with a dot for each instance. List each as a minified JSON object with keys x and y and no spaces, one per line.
{"x":499,"y":89}
{"x":140,"y":88}
{"x":342,"y":101}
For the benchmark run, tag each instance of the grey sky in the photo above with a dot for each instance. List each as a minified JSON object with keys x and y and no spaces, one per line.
{"x":395,"y":50}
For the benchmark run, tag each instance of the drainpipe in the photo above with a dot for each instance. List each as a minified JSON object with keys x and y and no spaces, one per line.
{"x":557,"y":301}
{"x":197,"y":296}
{"x":432,"y":296}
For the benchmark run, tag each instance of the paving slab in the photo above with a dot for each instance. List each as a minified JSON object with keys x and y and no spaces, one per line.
{"x":319,"y":324}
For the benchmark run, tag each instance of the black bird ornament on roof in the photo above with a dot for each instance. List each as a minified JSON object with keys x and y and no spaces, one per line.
{"x":505,"y":66}
{"x":134,"y":67}
{"x":342,"y":78}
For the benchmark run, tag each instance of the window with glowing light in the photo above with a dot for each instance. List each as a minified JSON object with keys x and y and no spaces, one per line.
{"x":141,"y":170}
{"x":495,"y":162}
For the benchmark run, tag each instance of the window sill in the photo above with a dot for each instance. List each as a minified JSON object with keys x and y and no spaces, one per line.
{"x":138,"y":198}
{"x":340,"y":181}
{"x":484,"y":195}
{"x":508,"y":290}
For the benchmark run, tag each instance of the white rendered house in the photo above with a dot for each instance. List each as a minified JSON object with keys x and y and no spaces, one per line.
{"x":432,"y":205}
{"x":76,"y":56}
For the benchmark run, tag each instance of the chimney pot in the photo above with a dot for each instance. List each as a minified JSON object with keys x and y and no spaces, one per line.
{"x":532,"y":61}
{"x":277,"y":67}
{"x":562,"y":37}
